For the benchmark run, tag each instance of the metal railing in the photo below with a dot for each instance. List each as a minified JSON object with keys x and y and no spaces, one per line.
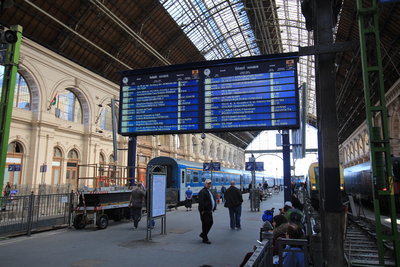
{"x":22,"y":214}
{"x":40,"y":189}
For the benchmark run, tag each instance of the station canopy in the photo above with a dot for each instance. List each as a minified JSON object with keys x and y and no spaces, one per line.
{"x":110,"y":36}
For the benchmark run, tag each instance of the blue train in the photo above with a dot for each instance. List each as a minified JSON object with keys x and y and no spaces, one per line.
{"x":358,"y":181}
{"x":184,"y":173}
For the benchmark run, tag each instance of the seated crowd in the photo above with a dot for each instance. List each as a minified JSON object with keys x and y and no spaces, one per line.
{"x":289,"y":223}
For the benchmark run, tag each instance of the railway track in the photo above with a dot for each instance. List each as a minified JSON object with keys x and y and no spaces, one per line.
{"x":361,"y":246}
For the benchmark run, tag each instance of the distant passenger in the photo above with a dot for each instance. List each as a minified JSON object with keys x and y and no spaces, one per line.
{"x":265,"y":186}
{"x":136,"y":203}
{"x":223,"y":191}
{"x":188,"y":200}
{"x":233,"y":201}
{"x":207,"y":205}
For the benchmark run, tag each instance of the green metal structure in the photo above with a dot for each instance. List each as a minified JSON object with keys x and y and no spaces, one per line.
{"x":7,"y":97}
{"x":381,"y":162}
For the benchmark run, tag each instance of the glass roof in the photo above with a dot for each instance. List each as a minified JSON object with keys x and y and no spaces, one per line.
{"x":221,"y":29}
{"x":218,"y":28}
{"x":294,"y":34}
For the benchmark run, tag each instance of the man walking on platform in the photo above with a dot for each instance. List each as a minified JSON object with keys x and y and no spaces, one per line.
{"x":207,"y":205}
{"x":233,"y":201}
{"x":136,"y":203}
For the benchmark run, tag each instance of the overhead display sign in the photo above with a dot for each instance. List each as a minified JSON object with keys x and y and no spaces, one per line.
{"x":241,"y":94}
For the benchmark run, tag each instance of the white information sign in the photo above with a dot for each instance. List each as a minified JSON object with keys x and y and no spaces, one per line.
{"x":158,"y":199}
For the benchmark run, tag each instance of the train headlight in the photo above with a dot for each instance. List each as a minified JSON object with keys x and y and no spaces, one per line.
{"x":313,"y":187}
{"x":342,"y":187}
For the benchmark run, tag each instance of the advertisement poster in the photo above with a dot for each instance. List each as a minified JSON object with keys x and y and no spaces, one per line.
{"x":158,"y":199}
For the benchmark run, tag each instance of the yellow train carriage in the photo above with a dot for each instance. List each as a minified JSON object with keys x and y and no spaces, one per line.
{"x":313,"y":183}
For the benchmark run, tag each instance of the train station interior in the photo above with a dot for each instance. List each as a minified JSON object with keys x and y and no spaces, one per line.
{"x":72,"y":75}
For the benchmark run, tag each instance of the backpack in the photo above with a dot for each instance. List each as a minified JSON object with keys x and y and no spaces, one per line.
{"x":268,"y":215}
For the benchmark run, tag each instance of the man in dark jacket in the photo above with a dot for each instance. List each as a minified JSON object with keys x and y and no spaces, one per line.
{"x":207,"y":205}
{"x":136,"y":203}
{"x":233,"y":201}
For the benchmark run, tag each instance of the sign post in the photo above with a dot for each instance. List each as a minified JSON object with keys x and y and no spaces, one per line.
{"x":253,"y":194}
{"x":156,"y":197}
{"x":212,"y":166}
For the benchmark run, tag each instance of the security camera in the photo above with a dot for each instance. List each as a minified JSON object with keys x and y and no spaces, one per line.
{"x":203,"y":136}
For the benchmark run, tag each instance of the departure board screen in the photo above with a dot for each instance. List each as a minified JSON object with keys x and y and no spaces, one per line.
{"x":253,"y":93}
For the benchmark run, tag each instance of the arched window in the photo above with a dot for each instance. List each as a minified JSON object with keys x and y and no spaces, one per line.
{"x":194,"y":145}
{"x":366,"y":142}
{"x":356,"y":149}
{"x":57,"y":153}
{"x":177,"y":141}
{"x":351,"y":151}
{"x":68,"y":107}
{"x":13,"y":168}
{"x":102,"y":159}
{"x":22,"y":93}
{"x":72,"y":166}
{"x":56,"y":166}
{"x":111,"y":159}
{"x":15,"y":147}
{"x":219,"y":152}
{"x":73,"y":154}
{"x":360,"y":144}
{"x":203,"y":148}
{"x":212,"y":151}
{"x":106,"y":118}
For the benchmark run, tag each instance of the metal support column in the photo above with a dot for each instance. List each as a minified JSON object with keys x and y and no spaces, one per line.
{"x":381,"y":162}
{"x":114,"y":132}
{"x":7,"y":97}
{"x":132,"y":159}
{"x":253,"y":191}
{"x":332,"y":223}
{"x":286,"y":166}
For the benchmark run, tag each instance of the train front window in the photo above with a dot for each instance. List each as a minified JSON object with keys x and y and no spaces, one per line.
{"x":316,"y":173}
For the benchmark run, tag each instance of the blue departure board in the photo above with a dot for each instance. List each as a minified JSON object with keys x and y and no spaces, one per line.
{"x":252,"y":93}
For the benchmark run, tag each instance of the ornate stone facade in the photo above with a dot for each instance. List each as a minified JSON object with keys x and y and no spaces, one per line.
{"x":356,"y":149}
{"x":40,"y":137}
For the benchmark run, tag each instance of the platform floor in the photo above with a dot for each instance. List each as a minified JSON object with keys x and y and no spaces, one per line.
{"x":120,"y":245}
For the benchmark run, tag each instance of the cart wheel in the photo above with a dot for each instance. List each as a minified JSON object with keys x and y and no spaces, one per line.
{"x":102,"y":221}
{"x":79,"y":221}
